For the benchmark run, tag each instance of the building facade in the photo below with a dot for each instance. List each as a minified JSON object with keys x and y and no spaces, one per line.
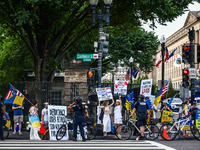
{"x":176,"y":41}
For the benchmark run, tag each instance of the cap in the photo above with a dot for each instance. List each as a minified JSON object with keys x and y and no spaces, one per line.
{"x":46,"y":103}
{"x":141,"y":96}
{"x":165,"y":101}
{"x":117,"y":100}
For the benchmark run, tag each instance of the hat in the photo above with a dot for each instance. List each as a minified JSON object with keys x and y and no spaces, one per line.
{"x":46,"y":103}
{"x":165,"y":101}
{"x":117,"y":100}
{"x":141,"y":96}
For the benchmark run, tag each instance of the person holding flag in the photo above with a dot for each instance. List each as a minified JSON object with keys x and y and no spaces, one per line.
{"x":185,"y":112}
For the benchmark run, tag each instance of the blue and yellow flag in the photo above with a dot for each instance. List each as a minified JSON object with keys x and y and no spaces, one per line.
{"x":35,"y":121}
{"x":158,"y":97}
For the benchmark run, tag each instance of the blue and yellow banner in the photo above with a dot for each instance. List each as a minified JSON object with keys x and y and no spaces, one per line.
{"x":158,"y":97}
{"x":35,"y":121}
{"x":198,"y":119}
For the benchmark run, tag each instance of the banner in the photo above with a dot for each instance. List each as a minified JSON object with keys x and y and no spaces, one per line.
{"x":104,"y":93}
{"x":146,"y":87}
{"x":35,"y":121}
{"x":165,"y":116}
{"x":56,"y":117}
{"x":120,"y":87}
{"x":198,"y":119}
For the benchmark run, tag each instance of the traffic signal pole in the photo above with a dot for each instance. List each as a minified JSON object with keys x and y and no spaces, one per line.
{"x":163,"y":66}
{"x":191,"y":38}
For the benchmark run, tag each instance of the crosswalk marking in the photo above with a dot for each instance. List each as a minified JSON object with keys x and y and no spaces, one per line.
{"x":90,"y":145}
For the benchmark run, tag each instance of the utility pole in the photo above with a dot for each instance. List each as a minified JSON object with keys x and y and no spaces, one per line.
{"x":191,"y":38}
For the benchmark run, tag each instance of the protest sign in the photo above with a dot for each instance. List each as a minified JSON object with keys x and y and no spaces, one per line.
{"x":120,"y":87}
{"x":165,"y":116}
{"x":56,"y":117}
{"x":198,"y":119}
{"x":104,"y":93}
{"x":146,"y":87}
{"x":35,"y":121}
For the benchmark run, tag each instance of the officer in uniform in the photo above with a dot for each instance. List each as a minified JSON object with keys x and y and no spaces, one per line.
{"x":79,"y":113}
{"x":142,"y":111}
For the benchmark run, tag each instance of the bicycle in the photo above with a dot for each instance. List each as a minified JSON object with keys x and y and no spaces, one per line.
{"x":5,"y":130}
{"x":151,"y":131}
{"x":90,"y":130}
{"x":176,"y":127}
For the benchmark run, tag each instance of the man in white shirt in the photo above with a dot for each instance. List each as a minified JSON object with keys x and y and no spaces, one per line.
{"x":44,"y":118}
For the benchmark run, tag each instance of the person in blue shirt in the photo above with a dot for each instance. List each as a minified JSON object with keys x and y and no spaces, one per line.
{"x":2,"y":112}
{"x":79,"y":113}
{"x":18,"y":117}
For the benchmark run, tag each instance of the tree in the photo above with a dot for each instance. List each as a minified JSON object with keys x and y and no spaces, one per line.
{"x":107,"y":81}
{"x":51,"y":28}
{"x":171,"y":91}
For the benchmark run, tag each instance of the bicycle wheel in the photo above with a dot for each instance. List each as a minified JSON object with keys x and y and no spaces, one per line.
{"x":5,"y":132}
{"x":123,"y":132}
{"x":195,"y":132}
{"x":91,"y":132}
{"x":151,"y":132}
{"x":61,"y":132}
{"x":168,"y":132}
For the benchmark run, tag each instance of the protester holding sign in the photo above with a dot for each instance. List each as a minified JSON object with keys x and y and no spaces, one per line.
{"x":106,"y":117}
{"x":118,"y":114}
{"x":78,"y":120}
{"x":34,"y":112}
{"x":44,"y":118}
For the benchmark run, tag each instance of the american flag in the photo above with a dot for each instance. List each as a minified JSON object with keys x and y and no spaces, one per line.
{"x":165,"y":88}
{"x":159,"y":60}
{"x":128,"y":74}
{"x":166,"y":54}
{"x":13,"y":91}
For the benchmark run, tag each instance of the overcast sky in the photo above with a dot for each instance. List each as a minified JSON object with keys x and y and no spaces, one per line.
{"x":172,"y":27}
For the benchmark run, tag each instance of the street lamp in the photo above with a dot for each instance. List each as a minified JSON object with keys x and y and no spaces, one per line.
{"x":131,"y":62}
{"x":163,"y":41}
{"x":102,"y":36}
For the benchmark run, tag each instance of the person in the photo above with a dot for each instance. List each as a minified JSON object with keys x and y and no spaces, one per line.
{"x":118,"y":114}
{"x":106,"y":117}
{"x":34,"y":131}
{"x":142,"y":110}
{"x":18,"y":117}
{"x":185,"y":112}
{"x":2,"y":112}
{"x":165,"y":106}
{"x":192,"y":111}
{"x":78,"y":120}
{"x":180,"y":111}
{"x":44,"y":118}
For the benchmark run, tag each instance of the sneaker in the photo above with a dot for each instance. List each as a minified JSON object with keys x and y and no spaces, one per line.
{"x":119,"y":136}
{"x":20,"y":133}
{"x":142,"y":138}
{"x":14,"y":133}
{"x":83,"y":140}
{"x":137,"y":138}
{"x":116,"y":137}
{"x":74,"y":139}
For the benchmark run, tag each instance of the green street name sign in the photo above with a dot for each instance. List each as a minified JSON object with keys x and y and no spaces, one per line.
{"x":84,"y":56}
{"x":86,"y":60}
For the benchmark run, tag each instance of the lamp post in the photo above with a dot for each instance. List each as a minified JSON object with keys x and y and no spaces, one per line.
{"x":131,"y":62}
{"x":162,"y":41}
{"x":100,"y":18}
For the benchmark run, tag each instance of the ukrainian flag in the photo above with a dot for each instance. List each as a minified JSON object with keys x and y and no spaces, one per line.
{"x":35,"y":121}
{"x":158,"y":97}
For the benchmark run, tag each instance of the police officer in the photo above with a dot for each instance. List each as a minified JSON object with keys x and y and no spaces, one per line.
{"x":142,"y":110}
{"x":79,"y":113}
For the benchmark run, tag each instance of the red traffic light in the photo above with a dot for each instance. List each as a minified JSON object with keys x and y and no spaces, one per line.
{"x":185,"y":72}
{"x":186,"y":48}
{"x":90,"y":74}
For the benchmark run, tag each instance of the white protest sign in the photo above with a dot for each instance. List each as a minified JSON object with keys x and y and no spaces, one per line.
{"x":104,"y":93}
{"x":146,"y":87}
{"x":120,"y":87}
{"x":56,"y":117}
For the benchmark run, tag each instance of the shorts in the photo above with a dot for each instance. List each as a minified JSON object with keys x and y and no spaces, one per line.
{"x":18,"y":118}
{"x":46,"y":124}
{"x":117,"y":120}
{"x":141,"y":120}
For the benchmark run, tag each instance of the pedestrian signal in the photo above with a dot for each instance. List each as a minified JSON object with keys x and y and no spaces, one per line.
{"x":90,"y":77}
{"x":185,"y":79}
{"x":186,"y":54}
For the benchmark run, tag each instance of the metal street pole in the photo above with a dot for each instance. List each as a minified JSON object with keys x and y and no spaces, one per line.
{"x":191,"y":38}
{"x":163,"y":65}
{"x":131,"y":74}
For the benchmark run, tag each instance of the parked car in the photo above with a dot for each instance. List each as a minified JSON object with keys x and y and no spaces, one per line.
{"x":176,"y":104}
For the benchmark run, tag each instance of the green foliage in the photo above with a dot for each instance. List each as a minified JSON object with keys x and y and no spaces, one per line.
{"x":155,"y":88}
{"x":139,"y":79}
{"x":171,"y":91}
{"x":107,"y":81}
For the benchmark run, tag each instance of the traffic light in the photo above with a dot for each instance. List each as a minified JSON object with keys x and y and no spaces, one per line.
{"x":198,"y":53}
{"x":185,"y":76}
{"x":90,"y":77}
{"x":186,"y":54}
{"x":103,"y":38}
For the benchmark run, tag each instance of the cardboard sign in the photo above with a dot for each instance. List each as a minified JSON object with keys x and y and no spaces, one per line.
{"x":165,"y":116}
{"x":56,"y":117}
{"x":146,"y":87}
{"x":35,"y":121}
{"x":120,"y":87}
{"x":104,"y":93}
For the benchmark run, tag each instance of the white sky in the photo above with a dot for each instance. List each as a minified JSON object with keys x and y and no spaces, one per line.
{"x":174,"y":26}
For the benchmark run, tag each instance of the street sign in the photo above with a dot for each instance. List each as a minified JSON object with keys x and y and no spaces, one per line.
{"x":86,"y":60}
{"x":192,"y":73}
{"x":87,"y":56}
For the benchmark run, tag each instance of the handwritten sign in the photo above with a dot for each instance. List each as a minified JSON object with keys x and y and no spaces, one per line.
{"x":56,"y":116}
{"x":104,"y":93}
{"x":120,"y":87}
{"x":165,"y":116}
{"x":146,"y":87}
{"x":198,"y":119}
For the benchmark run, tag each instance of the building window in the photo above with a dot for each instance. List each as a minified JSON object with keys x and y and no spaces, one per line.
{"x":56,"y":98}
